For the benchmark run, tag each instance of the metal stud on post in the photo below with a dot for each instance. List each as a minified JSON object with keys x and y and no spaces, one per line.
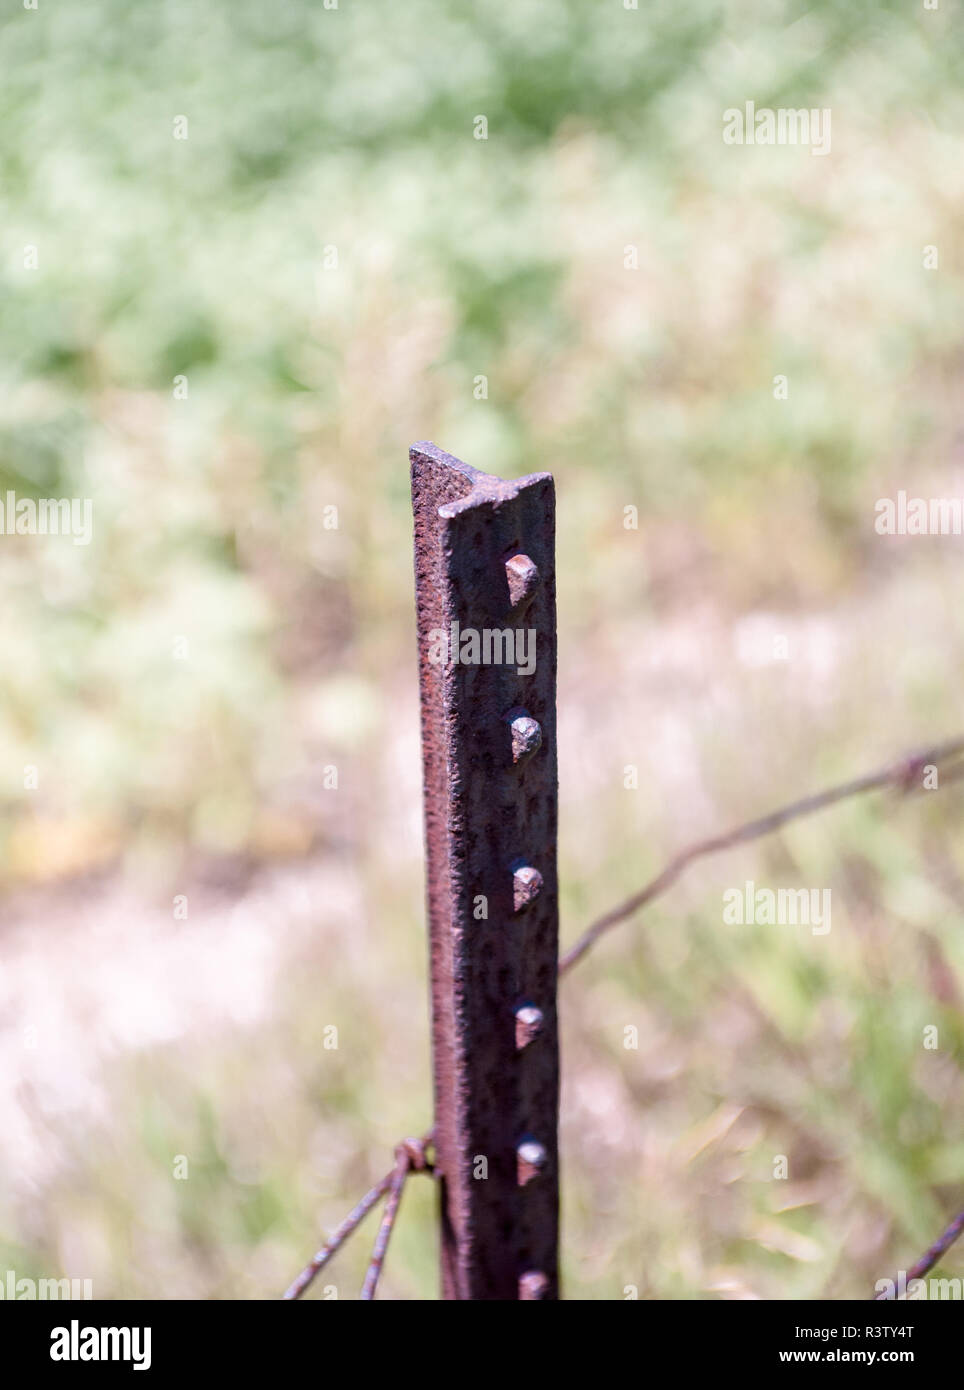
{"x":485,"y":593}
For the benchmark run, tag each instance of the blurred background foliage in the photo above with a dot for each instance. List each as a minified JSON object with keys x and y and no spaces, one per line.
{"x":225,"y":335}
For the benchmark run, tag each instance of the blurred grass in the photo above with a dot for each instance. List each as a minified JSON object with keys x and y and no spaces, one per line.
{"x":209,"y":258}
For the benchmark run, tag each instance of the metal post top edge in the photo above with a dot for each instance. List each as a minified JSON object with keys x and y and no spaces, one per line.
{"x":482,"y":487}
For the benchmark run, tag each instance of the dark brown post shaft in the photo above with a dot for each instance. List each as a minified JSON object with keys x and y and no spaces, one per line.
{"x":485,"y":588}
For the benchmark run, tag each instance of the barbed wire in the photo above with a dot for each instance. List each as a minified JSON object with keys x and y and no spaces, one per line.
{"x":410,"y":1154}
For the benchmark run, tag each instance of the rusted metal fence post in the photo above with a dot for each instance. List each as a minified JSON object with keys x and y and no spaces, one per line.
{"x":485,"y":590}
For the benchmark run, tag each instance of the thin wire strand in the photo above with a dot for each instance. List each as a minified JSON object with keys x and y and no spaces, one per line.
{"x":413,"y":1152}
{"x":930,"y":1258}
{"x":901,"y":775}
{"x":402,"y":1170}
{"x":354,"y":1218}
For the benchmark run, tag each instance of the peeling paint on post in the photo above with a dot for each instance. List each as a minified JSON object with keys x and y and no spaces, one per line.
{"x":485,"y":564}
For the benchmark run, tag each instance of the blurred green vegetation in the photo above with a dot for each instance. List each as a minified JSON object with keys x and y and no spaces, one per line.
{"x":331,"y":260}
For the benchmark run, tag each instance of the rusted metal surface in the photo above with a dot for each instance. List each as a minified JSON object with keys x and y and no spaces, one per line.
{"x":485,"y":560}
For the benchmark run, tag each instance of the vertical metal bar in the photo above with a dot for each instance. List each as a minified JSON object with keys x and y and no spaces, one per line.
{"x":485,"y":565}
